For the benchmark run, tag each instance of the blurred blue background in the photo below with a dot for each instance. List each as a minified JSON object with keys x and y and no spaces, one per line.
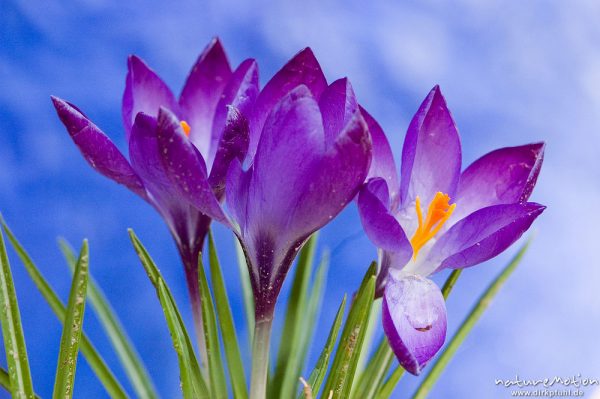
{"x":512,"y":73}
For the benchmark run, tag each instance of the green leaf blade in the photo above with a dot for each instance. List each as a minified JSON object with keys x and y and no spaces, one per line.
{"x":97,"y":364}
{"x":346,"y":358}
{"x":12,"y":332}
{"x":375,"y":371}
{"x":232,"y":349}
{"x":130,"y":359}
{"x":284,"y":376}
{"x":218,"y":385}
{"x":306,"y":328}
{"x":246,"y":289}
{"x":192,"y":382}
{"x":73,"y":326}
{"x":318,"y":374}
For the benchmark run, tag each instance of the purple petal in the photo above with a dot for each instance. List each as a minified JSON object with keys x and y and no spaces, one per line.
{"x":233,"y":145}
{"x":338,"y":105}
{"x":237,"y":189}
{"x":240,"y":93}
{"x":291,"y":141}
{"x":145,"y":160}
{"x":503,"y":176}
{"x":483,"y":234}
{"x":302,"y":69}
{"x":383,"y":164}
{"x":335,"y":180}
{"x":202,"y":91}
{"x":414,"y":320}
{"x":144,"y":92}
{"x":383,"y":229}
{"x":380,"y":225}
{"x":97,"y":148}
{"x":184,"y":166}
{"x":187,"y":224}
{"x":431,"y":155}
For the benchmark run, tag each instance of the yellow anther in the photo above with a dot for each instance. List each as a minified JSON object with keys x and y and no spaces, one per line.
{"x":186,"y":128}
{"x":438,"y":213}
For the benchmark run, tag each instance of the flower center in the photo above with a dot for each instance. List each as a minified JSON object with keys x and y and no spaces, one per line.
{"x":438,"y":213}
{"x":186,"y":128}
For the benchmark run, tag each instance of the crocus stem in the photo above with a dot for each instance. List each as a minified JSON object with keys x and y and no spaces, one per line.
{"x":191,"y":274}
{"x":260,"y":358}
{"x":468,"y":324}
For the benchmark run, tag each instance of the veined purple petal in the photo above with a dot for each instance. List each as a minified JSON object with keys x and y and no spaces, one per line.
{"x":338,"y":105}
{"x":144,"y":92}
{"x":431,"y":155}
{"x":383,"y":164}
{"x":380,"y":225}
{"x":233,"y":145}
{"x":335,"y":180}
{"x":240,"y":93}
{"x":482,"y":235}
{"x":414,"y":320}
{"x":237,"y":188}
{"x":302,"y":69}
{"x":145,"y":160}
{"x":503,"y":176}
{"x":97,"y":148}
{"x":291,"y":141}
{"x":383,"y":229}
{"x":202,"y":92}
{"x":184,"y":166}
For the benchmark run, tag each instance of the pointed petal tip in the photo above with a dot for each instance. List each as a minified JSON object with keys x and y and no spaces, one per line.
{"x":215,"y":46}
{"x":305,"y":57}
{"x":59,"y":104}
{"x":133,"y":61}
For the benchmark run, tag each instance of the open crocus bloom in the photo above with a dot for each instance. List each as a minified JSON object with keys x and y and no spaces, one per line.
{"x":439,"y":218}
{"x":309,"y":153}
{"x":150,"y":111}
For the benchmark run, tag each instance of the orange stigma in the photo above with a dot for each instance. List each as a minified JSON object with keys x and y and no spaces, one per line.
{"x":438,"y":213}
{"x":186,"y":128}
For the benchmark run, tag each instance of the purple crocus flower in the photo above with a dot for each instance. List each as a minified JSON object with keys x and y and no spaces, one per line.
{"x":438,"y":218}
{"x":148,"y":108}
{"x":309,"y":152}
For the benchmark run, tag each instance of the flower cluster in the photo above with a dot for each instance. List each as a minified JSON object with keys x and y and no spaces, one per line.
{"x":277,"y":164}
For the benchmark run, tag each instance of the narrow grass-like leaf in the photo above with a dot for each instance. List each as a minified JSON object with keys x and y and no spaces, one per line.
{"x":72,"y":327}
{"x":388,"y":388}
{"x":232,"y":349}
{"x":294,"y":319}
{"x":12,"y":332}
{"x":130,"y":359}
{"x":97,"y":364}
{"x":367,"y":348}
{"x":246,"y":289}
{"x":218,"y":385}
{"x":307,"y":327}
{"x":375,"y":372}
{"x":463,"y":331}
{"x":346,"y":358}
{"x":5,"y":381}
{"x":318,"y":374}
{"x":450,"y":281}
{"x":192,"y":382}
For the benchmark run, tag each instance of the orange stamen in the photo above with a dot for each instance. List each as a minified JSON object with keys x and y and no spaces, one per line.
{"x":438,"y":213}
{"x":186,"y":128}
